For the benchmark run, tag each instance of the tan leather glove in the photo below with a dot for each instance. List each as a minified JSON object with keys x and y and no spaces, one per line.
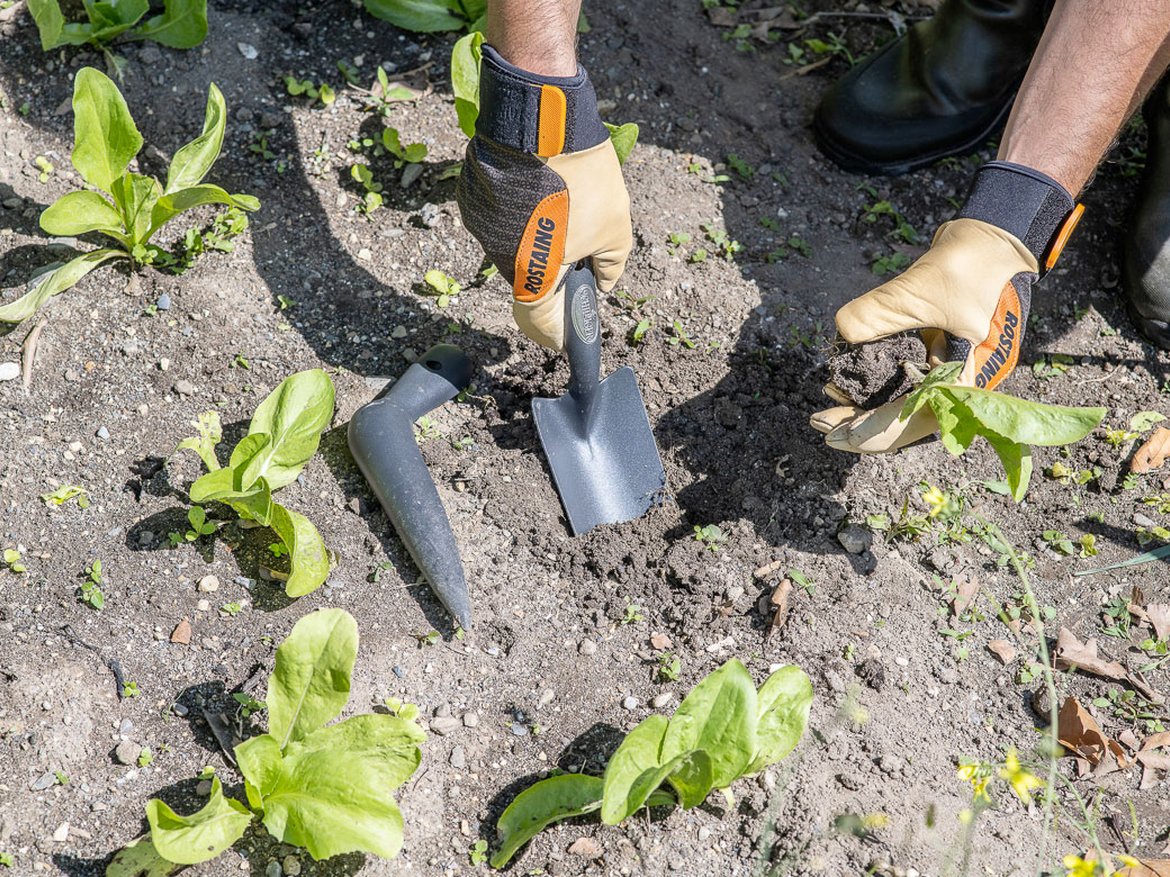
{"x":969,"y":295}
{"x":541,"y":189}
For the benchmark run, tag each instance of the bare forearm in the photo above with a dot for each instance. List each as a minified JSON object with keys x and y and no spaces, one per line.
{"x":536,"y":35}
{"x":1094,"y":65}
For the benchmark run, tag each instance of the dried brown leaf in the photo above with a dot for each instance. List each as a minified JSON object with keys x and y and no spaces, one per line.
{"x":779,"y":603}
{"x":586,"y":848}
{"x":660,"y":641}
{"x":966,"y":587}
{"x":1003,"y":650}
{"x":1148,"y":868}
{"x":1079,"y":732}
{"x":1072,"y":654}
{"x":1153,"y":453}
{"x":1158,"y":614}
{"x":1156,"y":741}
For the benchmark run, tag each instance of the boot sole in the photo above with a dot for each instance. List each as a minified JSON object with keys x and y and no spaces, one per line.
{"x":1157,"y":332}
{"x":851,"y":161}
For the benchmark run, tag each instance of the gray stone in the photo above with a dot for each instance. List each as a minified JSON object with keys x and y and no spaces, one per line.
{"x":127,"y":752}
{"x":103,"y":434}
{"x":273,"y":869}
{"x":630,"y":702}
{"x":444,"y":725}
{"x":411,"y":174}
{"x":855,"y":539}
{"x":184,"y":388}
{"x":519,"y":730}
{"x":163,"y":303}
{"x":470,"y":720}
{"x":9,"y":371}
{"x":458,"y":758}
{"x":44,"y":781}
{"x":292,"y":866}
{"x":587,"y":647}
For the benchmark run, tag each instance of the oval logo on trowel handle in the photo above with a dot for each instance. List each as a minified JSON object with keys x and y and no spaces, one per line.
{"x":586,"y":322}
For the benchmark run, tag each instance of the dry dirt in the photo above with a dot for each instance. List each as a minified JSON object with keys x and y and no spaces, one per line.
{"x":545,"y":672}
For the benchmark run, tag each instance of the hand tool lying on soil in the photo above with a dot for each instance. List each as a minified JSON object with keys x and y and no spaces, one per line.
{"x":381,"y":437}
{"x":597,"y":438}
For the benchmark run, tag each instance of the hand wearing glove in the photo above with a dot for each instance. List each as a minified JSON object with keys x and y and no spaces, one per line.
{"x":969,"y":294}
{"x":541,"y":188}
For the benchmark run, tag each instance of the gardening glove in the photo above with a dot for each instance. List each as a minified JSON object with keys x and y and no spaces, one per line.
{"x":969,"y":295}
{"x":541,"y":188}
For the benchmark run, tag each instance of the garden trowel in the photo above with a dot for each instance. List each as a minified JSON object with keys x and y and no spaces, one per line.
{"x":381,"y":437}
{"x":597,"y":437}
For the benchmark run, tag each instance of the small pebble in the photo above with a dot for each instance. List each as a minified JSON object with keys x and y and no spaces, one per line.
{"x":273,"y":869}
{"x":43,"y":782}
{"x":470,"y":720}
{"x":444,"y":725}
{"x":399,"y":672}
{"x":203,"y":788}
{"x":103,"y":434}
{"x":292,"y":866}
{"x":62,"y":833}
{"x":249,"y":52}
{"x":186,"y":388}
{"x":587,"y":647}
{"x":630,"y":703}
{"x":519,"y":730}
{"x":208,"y":584}
{"x":203,"y":606}
{"x":163,"y":303}
{"x":127,"y":752}
{"x":458,"y":758}
{"x":661,"y":700}
{"x":9,"y":371}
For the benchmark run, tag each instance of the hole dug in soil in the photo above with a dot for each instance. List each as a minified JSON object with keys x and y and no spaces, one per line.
{"x":869,"y":375}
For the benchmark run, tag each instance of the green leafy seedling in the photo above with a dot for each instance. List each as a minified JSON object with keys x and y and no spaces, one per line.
{"x":412,"y":153}
{"x":442,"y":286}
{"x":283,"y":436}
{"x":200,"y":526}
{"x":478,"y":852}
{"x":91,"y":589}
{"x":711,"y":535}
{"x":13,"y":561}
{"x":145,"y":757}
{"x":248,"y":704}
{"x":298,"y":87}
{"x":130,"y":689}
{"x":1009,"y":424}
{"x":181,"y":25}
{"x":64,"y":493}
{"x":127,"y":207}
{"x":323,"y":787}
{"x":723,"y":730}
{"x":669,"y":668}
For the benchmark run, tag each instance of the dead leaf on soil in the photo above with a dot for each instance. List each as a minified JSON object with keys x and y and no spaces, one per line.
{"x":660,"y":641}
{"x":767,"y":569}
{"x":1003,"y":650}
{"x":779,"y":604}
{"x":182,"y":633}
{"x":1079,"y":732}
{"x":1147,"y":868}
{"x":1154,"y":764}
{"x":966,"y":587}
{"x":1156,"y":741}
{"x":1072,"y":654}
{"x":1158,"y":615}
{"x":723,"y":16}
{"x":1153,"y":453}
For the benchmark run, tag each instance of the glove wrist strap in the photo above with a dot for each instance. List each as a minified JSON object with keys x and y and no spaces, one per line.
{"x":542,"y":115}
{"x":1026,"y":203}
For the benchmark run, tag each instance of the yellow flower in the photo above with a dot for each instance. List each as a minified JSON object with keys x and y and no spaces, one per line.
{"x":936,"y":499}
{"x":972,"y":774}
{"x":1078,"y":867}
{"x":1021,"y":780}
{"x":1128,"y":861}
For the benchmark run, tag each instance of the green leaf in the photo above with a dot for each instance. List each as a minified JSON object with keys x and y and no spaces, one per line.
{"x":294,"y":415}
{"x":1024,"y":421}
{"x":310,"y":683}
{"x":308,"y":557}
{"x":1017,"y":463}
{"x":624,"y":138}
{"x":170,"y":206}
{"x":692,"y":775}
{"x":719,"y":716}
{"x":201,"y":836}
{"x":193,"y":161}
{"x":50,"y":22}
{"x":540,"y":805}
{"x":210,"y":434}
{"x":104,"y":136}
{"x":329,"y":793}
{"x":638,"y":755}
{"x":783,"y":704}
{"x":222,"y":485}
{"x":465,"y":61}
{"x":420,"y":16}
{"x":113,"y":17}
{"x":55,"y":282}
{"x":79,"y":212}
{"x":1143,"y":420}
{"x":139,"y":858}
{"x":248,"y":454}
{"x":182,"y":25}
{"x":136,"y":196}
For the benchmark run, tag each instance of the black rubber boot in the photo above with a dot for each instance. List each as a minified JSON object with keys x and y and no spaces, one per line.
{"x":940,"y":89}
{"x":1146,"y":257}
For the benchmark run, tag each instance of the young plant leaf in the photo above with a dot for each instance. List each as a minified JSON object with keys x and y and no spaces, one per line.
{"x":189,"y":840}
{"x":193,"y":161}
{"x":783,"y":704}
{"x":465,"y":61}
{"x":54,"y":282}
{"x":170,"y":206}
{"x":293,"y":415}
{"x":638,"y":756}
{"x":136,"y":196}
{"x":50,"y":22}
{"x":329,"y":792}
{"x":624,"y":138}
{"x":105,"y":138}
{"x":719,"y":716}
{"x":182,"y":25}
{"x":420,"y":16}
{"x":139,"y":858}
{"x":542,"y":804}
{"x":310,"y":683}
{"x":110,"y":19}
{"x":308,"y":557}
{"x":84,"y":211}
{"x":210,"y":434}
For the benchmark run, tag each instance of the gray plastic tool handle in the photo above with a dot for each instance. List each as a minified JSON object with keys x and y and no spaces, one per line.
{"x":582,"y":335}
{"x":383,"y":444}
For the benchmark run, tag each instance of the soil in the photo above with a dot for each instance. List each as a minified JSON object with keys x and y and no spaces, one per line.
{"x":540,"y":682}
{"x":873,"y":374}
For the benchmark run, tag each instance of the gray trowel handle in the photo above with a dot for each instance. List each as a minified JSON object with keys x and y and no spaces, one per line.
{"x":582,"y":334}
{"x":382,"y":441}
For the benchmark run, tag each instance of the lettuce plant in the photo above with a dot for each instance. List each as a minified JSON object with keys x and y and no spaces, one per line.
{"x":181,"y":25}
{"x":322,"y":787}
{"x":1009,"y":424}
{"x":723,"y":730}
{"x":282,"y":437}
{"x":430,"y":16}
{"x":129,"y":208}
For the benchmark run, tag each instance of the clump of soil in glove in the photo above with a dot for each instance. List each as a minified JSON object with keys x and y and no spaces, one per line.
{"x":875,"y":373}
